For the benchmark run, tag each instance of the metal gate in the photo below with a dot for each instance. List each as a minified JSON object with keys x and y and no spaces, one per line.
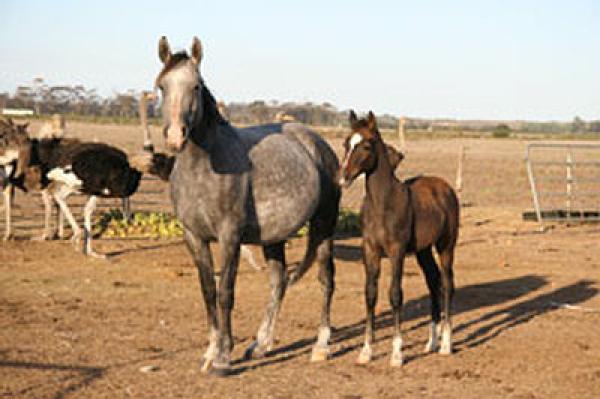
{"x":565,"y":181}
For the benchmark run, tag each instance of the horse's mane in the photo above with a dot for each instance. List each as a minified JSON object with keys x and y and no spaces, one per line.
{"x":210,"y":110}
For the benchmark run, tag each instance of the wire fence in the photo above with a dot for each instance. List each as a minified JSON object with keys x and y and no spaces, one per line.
{"x":565,"y":181}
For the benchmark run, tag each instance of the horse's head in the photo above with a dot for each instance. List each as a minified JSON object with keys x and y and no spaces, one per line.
{"x":360,"y":156}
{"x":181,"y":85}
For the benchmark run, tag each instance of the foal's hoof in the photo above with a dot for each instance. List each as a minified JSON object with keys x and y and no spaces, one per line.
{"x":319,"y":354}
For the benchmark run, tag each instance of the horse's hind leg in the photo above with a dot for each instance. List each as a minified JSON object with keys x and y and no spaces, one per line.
{"x":200,"y":252}
{"x":432,"y":277}
{"x":275,"y":256}
{"x":327,"y":279}
{"x":446,"y":262}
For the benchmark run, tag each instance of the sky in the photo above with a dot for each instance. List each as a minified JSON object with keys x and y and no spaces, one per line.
{"x":534,"y":60}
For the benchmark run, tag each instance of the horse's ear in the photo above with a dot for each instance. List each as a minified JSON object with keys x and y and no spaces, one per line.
{"x":164,"y":52}
{"x":371,"y":122}
{"x":352,"y":118}
{"x":394,"y":156}
{"x":196,"y":50}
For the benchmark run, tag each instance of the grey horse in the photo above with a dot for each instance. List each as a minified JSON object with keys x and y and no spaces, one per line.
{"x":257,"y":185}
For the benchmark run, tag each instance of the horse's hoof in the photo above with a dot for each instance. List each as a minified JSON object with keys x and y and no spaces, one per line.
{"x":254,"y":352}
{"x":319,"y":354}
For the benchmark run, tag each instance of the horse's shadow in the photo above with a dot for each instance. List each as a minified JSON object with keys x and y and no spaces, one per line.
{"x":487,"y":326}
{"x":77,"y":378}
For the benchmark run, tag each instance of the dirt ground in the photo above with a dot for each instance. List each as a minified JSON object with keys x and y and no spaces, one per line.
{"x":526,"y":312}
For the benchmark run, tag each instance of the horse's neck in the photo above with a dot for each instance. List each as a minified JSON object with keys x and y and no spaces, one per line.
{"x":380,"y":182}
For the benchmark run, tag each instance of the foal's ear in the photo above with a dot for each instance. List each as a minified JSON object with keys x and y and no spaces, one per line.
{"x":164,"y":52}
{"x":352,"y":118}
{"x":196,"y":51}
{"x":394,"y":156}
{"x":371,"y":122}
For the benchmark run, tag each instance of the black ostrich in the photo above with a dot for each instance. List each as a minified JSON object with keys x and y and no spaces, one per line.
{"x":94,"y":169}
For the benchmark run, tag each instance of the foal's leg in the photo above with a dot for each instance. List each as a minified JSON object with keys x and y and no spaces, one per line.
{"x":396,"y":297}
{"x":372,"y":261}
{"x":327,"y":279}
{"x":8,"y":194}
{"x":229,"y":244}
{"x":446,"y":261}
{"x":432,"y":277}
{"x":275,"y":256}
{"x":200,"y":251}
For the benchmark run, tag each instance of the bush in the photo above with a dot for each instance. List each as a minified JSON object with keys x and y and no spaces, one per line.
{"x":501,"y":131}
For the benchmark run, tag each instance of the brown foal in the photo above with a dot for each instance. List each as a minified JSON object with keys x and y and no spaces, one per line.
{"x":399,"y":218}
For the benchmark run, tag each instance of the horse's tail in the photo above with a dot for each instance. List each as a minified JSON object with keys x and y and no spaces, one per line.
{"x":321,"y":229}
{"x":309,"y":256}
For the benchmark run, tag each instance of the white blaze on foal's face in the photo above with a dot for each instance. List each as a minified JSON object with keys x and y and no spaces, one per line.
{"x":355,"y":140}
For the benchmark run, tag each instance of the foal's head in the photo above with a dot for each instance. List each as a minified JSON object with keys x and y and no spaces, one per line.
{"x":360,"y":153}
{"x":181,"y":85}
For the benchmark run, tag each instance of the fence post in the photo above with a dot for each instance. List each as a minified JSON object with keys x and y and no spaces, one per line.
{"x":401,"y":123}
{"x":534,"y":193}
{"x":569,"y":182}
{"x":459,"y":170}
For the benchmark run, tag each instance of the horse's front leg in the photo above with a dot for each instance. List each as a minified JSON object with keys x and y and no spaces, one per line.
{"x":230,"y":257}
{"x":372,"y":261}
{"x":275,"y":256}
{"x":200,"y":251}
{"x":396,"y":299}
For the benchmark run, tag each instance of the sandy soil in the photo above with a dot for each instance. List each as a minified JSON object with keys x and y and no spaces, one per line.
{"x":526,"y":309}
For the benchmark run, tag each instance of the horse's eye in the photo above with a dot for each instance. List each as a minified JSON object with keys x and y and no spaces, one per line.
{"x":197,"y":87}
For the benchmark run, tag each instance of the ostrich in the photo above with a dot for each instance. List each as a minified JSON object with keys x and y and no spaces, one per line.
{"x":95,"y":169}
